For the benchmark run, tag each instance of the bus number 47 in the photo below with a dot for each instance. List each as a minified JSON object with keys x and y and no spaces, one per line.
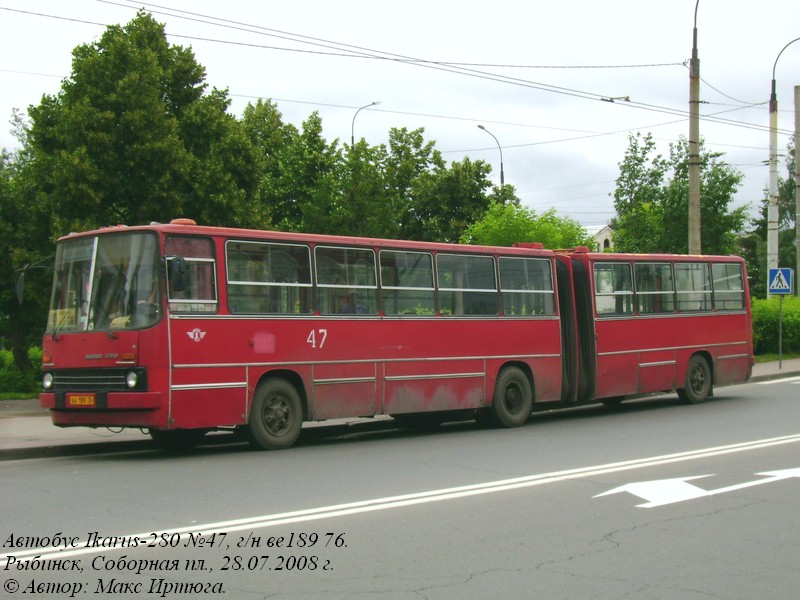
{"x":317,"y":336}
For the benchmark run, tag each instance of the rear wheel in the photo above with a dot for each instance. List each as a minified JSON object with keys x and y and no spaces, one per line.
{"x":698,"y":381}
{"x":513,"y":400}
{"x":276,"y":415}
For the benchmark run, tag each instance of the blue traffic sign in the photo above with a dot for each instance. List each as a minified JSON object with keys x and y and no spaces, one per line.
{"x":780,"y":281}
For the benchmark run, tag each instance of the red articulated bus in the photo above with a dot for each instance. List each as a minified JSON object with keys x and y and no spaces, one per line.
{"x":182,"y":329}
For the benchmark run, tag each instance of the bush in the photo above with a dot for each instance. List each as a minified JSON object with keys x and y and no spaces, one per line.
{"x":765,"y":325}
{"x":12,"y":380}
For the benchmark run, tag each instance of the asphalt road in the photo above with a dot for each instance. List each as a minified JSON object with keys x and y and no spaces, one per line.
{"x":652,"y":500}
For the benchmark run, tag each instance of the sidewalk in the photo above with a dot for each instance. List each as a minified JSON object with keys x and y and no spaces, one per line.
{"x":27,"y":432}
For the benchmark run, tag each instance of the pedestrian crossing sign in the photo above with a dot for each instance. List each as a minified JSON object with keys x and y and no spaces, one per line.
{"x":780,"y":281}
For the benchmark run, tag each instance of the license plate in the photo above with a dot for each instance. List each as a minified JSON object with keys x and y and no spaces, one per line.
{"x":81,"y":400}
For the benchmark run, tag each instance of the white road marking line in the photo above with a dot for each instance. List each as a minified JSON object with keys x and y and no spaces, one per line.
{"x":669,"y":491}
{"x":392,"y":502}
{"x":784,"y":380}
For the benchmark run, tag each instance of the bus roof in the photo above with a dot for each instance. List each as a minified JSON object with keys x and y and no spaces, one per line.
{"x":189,"y":227}
{"x":583,"y":252}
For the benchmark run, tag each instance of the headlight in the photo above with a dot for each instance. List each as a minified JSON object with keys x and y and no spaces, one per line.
{"x":131,"y":379}
{"x":47,"y":381}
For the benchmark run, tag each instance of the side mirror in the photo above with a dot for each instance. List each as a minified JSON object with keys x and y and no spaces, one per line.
{"x":176,"y":273}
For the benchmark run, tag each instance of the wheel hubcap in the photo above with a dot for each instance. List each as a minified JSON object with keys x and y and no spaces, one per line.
{"x":276,"y":414}
{"x":698,"y":380}
{"x":512,"y":398}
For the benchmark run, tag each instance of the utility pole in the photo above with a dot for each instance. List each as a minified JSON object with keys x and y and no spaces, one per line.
{"x":773,"y":215}
{"x":797,"y":188}
{"x":772,"y":206}
{"x":694,"y":144}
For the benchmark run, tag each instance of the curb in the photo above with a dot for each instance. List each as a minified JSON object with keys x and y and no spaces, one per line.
{"x":311,"y":433}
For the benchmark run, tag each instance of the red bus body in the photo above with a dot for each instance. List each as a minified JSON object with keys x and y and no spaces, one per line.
{"x":638,"y":352}
{"x":437,"y":339}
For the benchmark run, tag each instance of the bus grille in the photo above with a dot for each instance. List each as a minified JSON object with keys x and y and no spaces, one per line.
{"x":95,"y":380}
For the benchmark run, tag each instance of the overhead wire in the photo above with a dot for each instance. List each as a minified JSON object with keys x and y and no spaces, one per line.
{"x":338,"y":49}
{"x":362,"y":52}
{"x":475,"y":70}
{"x":353,"y":51}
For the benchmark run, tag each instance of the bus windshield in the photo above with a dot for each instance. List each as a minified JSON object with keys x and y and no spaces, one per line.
{"x":106,"y":282}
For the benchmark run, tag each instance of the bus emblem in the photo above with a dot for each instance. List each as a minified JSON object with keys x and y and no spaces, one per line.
{"x":196,"y":334}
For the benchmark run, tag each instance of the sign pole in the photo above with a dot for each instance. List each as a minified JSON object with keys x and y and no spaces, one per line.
{"x":779,"y":283}
{"x":780,"y":332}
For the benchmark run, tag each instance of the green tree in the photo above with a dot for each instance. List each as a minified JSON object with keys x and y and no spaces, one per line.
{"x":447,"y":201}
{"x":222,"y":183}
{"x":132,"y":137}
{"x":652,"y":194}
{"x":410,"y":163}
{"x":25,"y":244}
{"x":637,"y":196}
{"x":269,"y":136}
{"x":506,"y":224}
{"x":365,"y":205}
{"x":306,"y":188}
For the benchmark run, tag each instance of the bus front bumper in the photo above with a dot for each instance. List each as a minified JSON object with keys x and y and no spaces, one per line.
{"x":103,"y":409}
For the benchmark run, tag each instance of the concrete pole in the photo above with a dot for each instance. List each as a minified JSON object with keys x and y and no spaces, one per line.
{"x":694,"y":145}
{"x":797,"y":188}
{"x":772,"y":207}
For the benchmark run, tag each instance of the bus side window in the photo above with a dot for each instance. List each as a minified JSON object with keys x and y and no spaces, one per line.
{"x":613,"y":289}
{"x":693,"y":287}
{"x":346,"y":281}
{"x":407,"y":283}
{"x":527,"y":286}
{"x":728,"y":286}
{"x":655,"y":290}
{"x":268,"y":278}
{"x":467,"y":285}
{"x":192,"y":287}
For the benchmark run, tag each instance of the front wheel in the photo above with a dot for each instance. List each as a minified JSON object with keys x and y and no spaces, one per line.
{"x":276,"y":416}
{"x":513,"y":400}
{"x":698,"y":381}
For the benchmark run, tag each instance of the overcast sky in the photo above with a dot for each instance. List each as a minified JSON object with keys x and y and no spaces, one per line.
{"x":533,"y":73}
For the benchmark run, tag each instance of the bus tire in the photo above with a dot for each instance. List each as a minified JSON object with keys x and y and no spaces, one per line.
{"x":698,"y":381}
{"x":513,"y":399}
{"x":276,"y":416}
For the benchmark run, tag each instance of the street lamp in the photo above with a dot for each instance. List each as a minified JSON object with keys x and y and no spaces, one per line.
{"x":772,"y":207}
{"x":353,"y":124}
{"x":502,"y":177}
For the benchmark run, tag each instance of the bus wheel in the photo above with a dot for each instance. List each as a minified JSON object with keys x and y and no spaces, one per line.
{"x":276,"y":415}
{"x":698,"y":381}
{"x":513,"y":400}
